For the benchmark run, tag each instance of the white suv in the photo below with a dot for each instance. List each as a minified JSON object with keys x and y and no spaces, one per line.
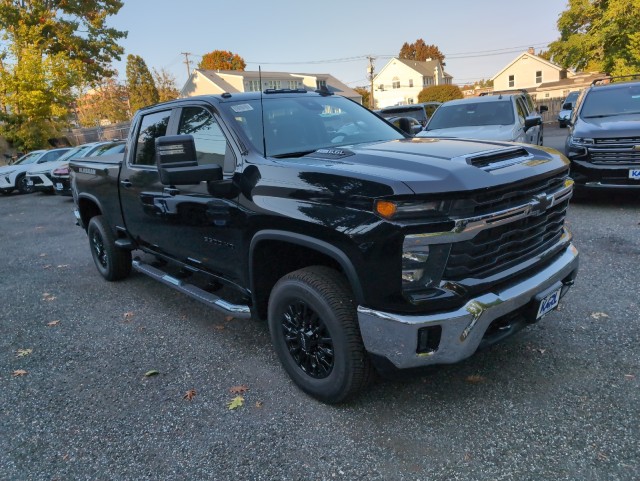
{"x":14,"y":176}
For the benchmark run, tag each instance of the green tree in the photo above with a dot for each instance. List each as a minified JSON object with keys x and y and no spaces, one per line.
{"x":166,"y":85}
{"x":599,"y":35}
{"x":440,"y":93}
{"x":107,"y":103}
{"x":222,"y":60}
{"x":420,"y":51}
{"x":366,"y":94}
{"x":48,"y":49}
{"x":142,"y":88}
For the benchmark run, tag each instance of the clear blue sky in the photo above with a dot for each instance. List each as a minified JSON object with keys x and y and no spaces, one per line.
{"x":335,"y":37}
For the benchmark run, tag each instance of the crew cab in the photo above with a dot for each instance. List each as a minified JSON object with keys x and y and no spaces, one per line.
{"x":362,"y":247}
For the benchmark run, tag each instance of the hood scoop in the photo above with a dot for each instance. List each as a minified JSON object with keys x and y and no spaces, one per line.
{"x":498,"y":159}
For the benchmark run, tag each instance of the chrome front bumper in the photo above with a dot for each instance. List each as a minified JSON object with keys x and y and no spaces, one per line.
{"x":395,"y":336}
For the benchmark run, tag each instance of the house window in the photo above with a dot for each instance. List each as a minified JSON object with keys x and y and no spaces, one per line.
{"x":274,"y":84}
{"x":546,"y":95}
{"x":396,"y":83}
{"x":426,"y":81}
{"x":410,"y":82}
{"x":538,"y":76}
{"x":320,"y":84}
{"x":294,"y":84}
{"x":253,"y":86}
{"x":381,"y":87}
{"x":512,"y":81}
{"x":565,"y":93}
{"x":409,"y":101}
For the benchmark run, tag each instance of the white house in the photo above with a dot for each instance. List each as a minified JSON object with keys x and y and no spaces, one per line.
{"x":203,"y":82}
{"x":541,"y":78}
{"x":400,"y":81}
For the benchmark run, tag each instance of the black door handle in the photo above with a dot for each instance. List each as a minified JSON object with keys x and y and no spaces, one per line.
{"x":170,"y":191}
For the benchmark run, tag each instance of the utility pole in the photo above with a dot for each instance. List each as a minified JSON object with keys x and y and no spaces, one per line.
{"x":186,"y":61}
{"x":370,"y":71}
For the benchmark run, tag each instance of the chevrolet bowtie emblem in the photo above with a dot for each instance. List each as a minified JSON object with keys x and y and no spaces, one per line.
{"x":541,"y":203}
{"x":636,"y":148}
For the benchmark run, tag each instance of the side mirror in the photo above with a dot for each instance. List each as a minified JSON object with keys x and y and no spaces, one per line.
{"x":567,"y":106}
{"x":405,"y":125}
{"x":543,"y":108}
{"x":178,"y":164}
{"x":532,"y":121}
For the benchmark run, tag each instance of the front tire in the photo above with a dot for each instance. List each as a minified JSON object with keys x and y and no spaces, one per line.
{"x":112,"y":263}
{"x":22,"y":186}
{"x":314,"y":329}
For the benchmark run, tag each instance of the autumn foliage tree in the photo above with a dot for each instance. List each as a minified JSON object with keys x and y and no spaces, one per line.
{"x":166,"y":85}
{"x":365,"y":93}
{"x":440,"y":93}
{"x":420,"y":51}
{"x":142,"y":88}
{"x":107,"y":102}
{"x":48,"y":49}
{"x":222,"y":60}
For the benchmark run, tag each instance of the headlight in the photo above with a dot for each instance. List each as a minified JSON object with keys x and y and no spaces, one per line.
{"x":8,"y":173}
{"x":580,"y":141}
{"x":390,"y":209}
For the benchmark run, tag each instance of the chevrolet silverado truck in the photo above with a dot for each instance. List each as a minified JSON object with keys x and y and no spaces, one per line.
{"x":362,"y":247}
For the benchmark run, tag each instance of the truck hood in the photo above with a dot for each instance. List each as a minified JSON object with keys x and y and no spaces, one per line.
{"x":424,"y":166}
{"x":484,"y":132}
{"x":613,"y":126}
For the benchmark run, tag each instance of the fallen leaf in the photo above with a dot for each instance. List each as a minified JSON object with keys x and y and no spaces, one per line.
{"x":48,"y":266}
{"x":19,"y":372}
{"x":238,"y":389}
{"x":62,"y":266}
{"x":541,"y":351}
{"x":128,"y":316}
{"x":43,"y":255}
{"x":236,"y":402}
{"x":475,"y":379}
{"x":259,"y":404}
{"x":467,"y":456}
{"x":189,"y":395}
{"x":599,"y":315}
{"x":48,"y":297}
{"x":23,"y":352}
{"x":53,"y":323}
{"x":39,"y":227}
{"x":629,"y":376}
{"x":153,"y":372}
{"x":603,"y":457}
{"x":218,"y":327}
{"x":228,"y":318}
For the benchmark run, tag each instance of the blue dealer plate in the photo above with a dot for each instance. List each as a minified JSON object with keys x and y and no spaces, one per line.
{"x":634,"y":174}
{"x":548,"y":303}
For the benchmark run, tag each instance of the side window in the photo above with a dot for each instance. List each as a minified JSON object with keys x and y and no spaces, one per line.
{"x":152,"y":126}
{"x":211,"y":144}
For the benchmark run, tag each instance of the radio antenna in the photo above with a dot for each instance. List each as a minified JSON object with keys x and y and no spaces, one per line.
{"x":264,"y":139}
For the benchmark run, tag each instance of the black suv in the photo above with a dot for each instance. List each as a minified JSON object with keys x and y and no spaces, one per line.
{"x":604,"y":141}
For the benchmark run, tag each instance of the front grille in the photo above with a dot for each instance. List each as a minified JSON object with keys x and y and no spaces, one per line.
{"x":497,"y":249}
{"x":512,"y":196}
{"x":615,"y":150}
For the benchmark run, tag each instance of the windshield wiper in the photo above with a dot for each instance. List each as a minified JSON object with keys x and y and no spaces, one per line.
{"x":293,"y":154}
{"x":609,"y":115}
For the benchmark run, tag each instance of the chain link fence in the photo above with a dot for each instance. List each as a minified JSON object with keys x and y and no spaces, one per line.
{"x":101,"y":133}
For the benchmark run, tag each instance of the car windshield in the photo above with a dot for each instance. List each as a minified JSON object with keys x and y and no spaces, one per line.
{"x":303,"y":124}
{"x":70,"y":154}
{"x":414,"y":113}
{"x":471,"y":114}
{"x":108,"y":149}
{"x":28,"y":159}
{"x":607,"y":102}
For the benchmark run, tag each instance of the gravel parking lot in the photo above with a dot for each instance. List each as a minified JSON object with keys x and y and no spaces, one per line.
{"x":559,"y":401}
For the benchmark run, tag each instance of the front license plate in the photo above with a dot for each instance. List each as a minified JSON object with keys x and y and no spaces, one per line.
{"x":58,"y":186}
{"x":548,"y":303}
{"x":634,"y":174}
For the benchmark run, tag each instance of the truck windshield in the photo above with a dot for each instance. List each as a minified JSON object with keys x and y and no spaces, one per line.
{"x":472,"y":114}
{"x":613,"y":101}
{"x":302,"y":124}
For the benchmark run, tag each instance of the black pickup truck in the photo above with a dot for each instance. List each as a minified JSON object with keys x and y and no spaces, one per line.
{"x":361,"y":246}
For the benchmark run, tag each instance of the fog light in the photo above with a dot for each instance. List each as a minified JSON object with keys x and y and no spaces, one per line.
{"x":429,"y":339}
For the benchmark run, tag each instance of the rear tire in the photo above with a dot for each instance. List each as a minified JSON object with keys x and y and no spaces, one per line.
{"x":314,"y":329}
{"x":21,"y":185}
{"x":112,"y":263}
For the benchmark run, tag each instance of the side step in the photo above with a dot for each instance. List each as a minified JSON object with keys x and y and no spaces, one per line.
{"x":235,"y":310}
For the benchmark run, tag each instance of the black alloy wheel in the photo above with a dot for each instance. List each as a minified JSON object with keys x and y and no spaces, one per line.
{"x":112,"y":262}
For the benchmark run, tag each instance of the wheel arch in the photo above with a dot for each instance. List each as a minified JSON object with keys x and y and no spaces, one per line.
{"x":88,"y":207}
{"x":298,"y":251}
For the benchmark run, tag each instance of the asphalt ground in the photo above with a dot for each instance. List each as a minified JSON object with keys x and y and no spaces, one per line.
{"x":558,"y":401}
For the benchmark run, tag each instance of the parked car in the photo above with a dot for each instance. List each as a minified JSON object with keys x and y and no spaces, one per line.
{"x":60,"y":173}
{"x":14,"y":176}
{"x":567,"y":107}
{"x":501,"y":117}
{"x":603,"y":144}
{"x":407,"y":124}
{"x":422,"y":112}
{"x":535,"y":136}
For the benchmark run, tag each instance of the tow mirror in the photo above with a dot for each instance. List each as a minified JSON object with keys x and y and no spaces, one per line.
{"x":178,"y":163}
{"x":567,"y":106}
{"x":532,"y":121}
